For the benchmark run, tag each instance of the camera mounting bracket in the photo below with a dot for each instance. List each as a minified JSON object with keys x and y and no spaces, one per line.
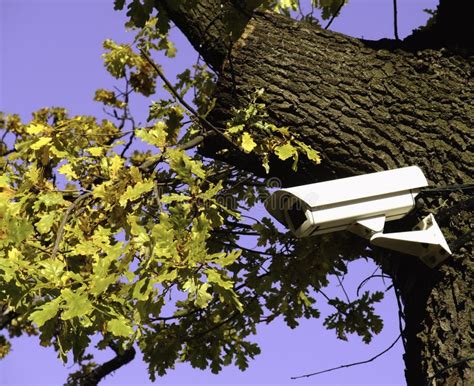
{"x":425,"y":241}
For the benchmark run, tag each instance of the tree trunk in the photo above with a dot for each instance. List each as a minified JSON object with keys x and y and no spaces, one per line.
{"x":366,"y":106}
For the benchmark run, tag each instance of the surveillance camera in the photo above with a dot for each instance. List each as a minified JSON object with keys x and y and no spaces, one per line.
{"x":362,"y":205}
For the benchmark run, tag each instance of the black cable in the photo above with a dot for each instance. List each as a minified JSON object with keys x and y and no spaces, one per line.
{"x":455,"y":364}
{"x":335,"y":14}
{"x":447,"y":188}
{"x":395,"y":20}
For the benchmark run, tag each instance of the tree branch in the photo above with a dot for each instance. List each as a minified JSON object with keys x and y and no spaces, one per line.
{"x":343,"y":289}
{"x":96,"y":375}
{"x":207,"y":25}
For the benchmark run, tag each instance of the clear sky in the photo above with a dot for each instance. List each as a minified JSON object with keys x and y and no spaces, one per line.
{"x":50,"y":56}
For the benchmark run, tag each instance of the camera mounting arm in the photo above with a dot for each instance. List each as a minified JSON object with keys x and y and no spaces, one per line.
{"x":425,"y":241}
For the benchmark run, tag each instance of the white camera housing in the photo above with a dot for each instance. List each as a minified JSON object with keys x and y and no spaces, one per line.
{"x":362,"y":205}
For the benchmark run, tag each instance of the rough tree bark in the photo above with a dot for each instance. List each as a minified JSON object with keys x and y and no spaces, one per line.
{"x":366,"y":106}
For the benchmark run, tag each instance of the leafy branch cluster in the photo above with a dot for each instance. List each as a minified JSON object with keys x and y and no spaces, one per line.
{"x":251,"y":123}
{"x":147,"y":248}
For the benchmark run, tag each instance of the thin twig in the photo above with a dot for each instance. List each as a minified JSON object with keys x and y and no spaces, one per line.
{"x":7,"y":152}
{"x":233,"y":243}
{"x":185,"y":146}
{"x":244,"y":233}
{"x":60,"y":233}
{"x":350,"y":364}
{"x":129,"y":143}
{"x":175,"y":317}
{"x":343,"y":289}
{"x":328,"y":299}
{"x":5,"y":134}
{"x":181,"y":100}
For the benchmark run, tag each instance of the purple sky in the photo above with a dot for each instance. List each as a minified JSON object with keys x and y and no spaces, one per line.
{"x":50,"y":56}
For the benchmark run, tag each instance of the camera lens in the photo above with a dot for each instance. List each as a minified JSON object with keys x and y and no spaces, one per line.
{"x":296,"y":215}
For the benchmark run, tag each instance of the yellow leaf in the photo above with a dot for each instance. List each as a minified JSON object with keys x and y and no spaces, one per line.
{"x":95,"y":151}
{"x":58,"y":153}
{"x":33,"y":174}
{"x":248,"y":144}
{"x":155,"y":135}
{"x":6,"y":190}
{"x":41,"y":142}
{"x":36,"y":128}
{"x":286,"y":151}
{"x":66,"y":169}
{"x":132,"y":193}
{"x":116,"y":163}
{"x":312,"y":154}
{"x":266,"y":163}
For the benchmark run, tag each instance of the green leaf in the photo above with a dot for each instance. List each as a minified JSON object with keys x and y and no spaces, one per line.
{"x":248,"y":144}
{"x":49,"y":200}
{"x":44,"y":225}
{"x":216,"y":278}
{"x":203,"y":297}
{"x":132,"y":193}
{"x":101,"y":283}
{"x":226,"y":259}
{"x":119,"y":327}
{"x":184,"y":166}
{"x":174,"y":197}
{"x":118,"y":4}
{"x":156,"y":135}
{"x":235,"y":129}
{"x":142,"y":289}
{"x":76,"y":304}
{"x":19,"y":230}
{"x":45,"y":312}
{"x":7,"y":270}
{"x":52,"y":270}
{"x":293,"y":4}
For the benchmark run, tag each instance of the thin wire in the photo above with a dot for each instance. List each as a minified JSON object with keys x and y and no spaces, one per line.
{"x":350,"y":364}
{"x":395,"y":20}
{"x":447,"y":188}
{"x":455,"y":364}
{"x":335,"y":14}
